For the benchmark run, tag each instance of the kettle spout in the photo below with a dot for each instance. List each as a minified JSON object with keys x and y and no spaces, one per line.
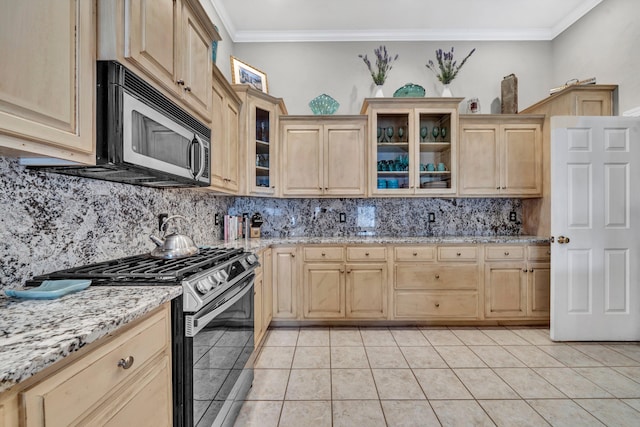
{"x":159,"y":242}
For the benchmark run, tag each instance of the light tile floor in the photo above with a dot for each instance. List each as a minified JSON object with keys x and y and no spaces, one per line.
{"x":440,"y":376}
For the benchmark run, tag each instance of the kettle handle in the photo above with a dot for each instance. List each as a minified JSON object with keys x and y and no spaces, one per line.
{"x":164,"y":222}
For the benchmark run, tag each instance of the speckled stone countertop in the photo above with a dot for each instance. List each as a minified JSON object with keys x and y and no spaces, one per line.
{"x":35,"y":334}
{"x":257,"y":244}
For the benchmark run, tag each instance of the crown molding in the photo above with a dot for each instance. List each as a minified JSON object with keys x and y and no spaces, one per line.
{"x":393,"y":35}
{"x":573,"y":17}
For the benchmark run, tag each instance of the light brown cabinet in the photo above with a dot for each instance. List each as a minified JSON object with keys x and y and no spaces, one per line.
{"x":436,"y":283}
{"x":259,"y":327}
{"x":336,"y":286}
{"x":500,"y":156}
{"x":517,"y":282}
{"x":168,"y":41}
{"x":225,"y":125}
{"x":259,"y":117}
{"x":267,"y":292}
{"x":124,"y":381}
{"x":412,"y":146}
{"x":47,"y":92}
{"x":323,"y":156}
{"x":285,"y":283}
{"x":263,"y":295}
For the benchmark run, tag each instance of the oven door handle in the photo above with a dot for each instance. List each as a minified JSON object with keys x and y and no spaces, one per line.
{"x":196,"y":323}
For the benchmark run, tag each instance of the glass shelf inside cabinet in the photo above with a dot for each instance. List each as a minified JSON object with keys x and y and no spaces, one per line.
{"x":435,"y":151}
{"x":263,"y":171}
{"x":392,"y":155}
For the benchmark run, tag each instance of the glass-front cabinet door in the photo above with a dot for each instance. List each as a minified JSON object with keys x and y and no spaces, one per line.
{"x":413,"y":145}
{"x":435,"y":152}
{"x":263,"y":124}
{"x":393,"y":153}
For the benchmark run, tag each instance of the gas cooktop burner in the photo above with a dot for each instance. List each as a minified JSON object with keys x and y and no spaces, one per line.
{"x":143,"y":269}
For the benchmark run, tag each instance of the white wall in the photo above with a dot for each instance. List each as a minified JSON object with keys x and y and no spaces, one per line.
{"x":225,"y":46}
{"x":604,"y":44}
{"x":298,"y":72}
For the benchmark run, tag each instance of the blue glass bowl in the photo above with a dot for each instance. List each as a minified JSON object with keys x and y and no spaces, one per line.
{"x":323,"y":104}
{"x":409,"y":91}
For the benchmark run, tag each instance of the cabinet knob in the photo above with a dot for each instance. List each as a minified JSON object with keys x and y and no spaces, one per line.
{"x":458,"y":253}
{"x":506,"y":254}
{"x":323,"y":254}
{"x":531,"y":271}
{"x":126,"y":363}
{"x":326,"y":188}
{"x":524,"y":269}
{"x":180,"y":82}
{"x":187,"y":89}
{"x":437,"y":276}
{"x":497,"y":188}
{"x":504,"y":188}
{"x":293,"y":255}
{"x":273,"y":186}
{"x":341,"y":271}
{"x":548,"y":252}
{"x":366,"y":254}
{"x":415,"y":254}
{"x":348,"y":271}
{"x":437,"y":304}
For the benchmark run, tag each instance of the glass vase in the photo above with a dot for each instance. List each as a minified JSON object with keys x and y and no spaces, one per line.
{"x":446,"y":92}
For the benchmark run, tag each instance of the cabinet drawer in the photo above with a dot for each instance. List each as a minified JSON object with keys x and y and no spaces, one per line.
{"x":457,"y":253}
{"x":71,"y":392}
{"x":417,"y":304}
{"x":502,"y":253}
{"x":434,"y":276}
{"x":366,"y":254}
{"x":324,"y":253}
{"x":539,"y":253}
{"x":415,"y":253}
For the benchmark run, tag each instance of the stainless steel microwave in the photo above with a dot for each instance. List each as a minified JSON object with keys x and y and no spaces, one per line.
{"x":142,"y":137}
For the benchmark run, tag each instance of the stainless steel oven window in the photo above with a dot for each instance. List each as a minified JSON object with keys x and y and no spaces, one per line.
{"x":222,"y":365}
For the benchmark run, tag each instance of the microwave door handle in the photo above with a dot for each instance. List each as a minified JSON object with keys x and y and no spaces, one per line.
{"x":202,"y":153}
{"x":190,"y":156}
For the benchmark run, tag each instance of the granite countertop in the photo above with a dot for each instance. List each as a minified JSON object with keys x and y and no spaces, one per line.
{"x":35,"y":334}
{"x":257,"y":244}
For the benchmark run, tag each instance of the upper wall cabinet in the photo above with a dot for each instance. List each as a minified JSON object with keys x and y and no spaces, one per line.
{"x":225,"y":128}
{"x":323,"y":156}
{"x":500,"y":155}
{"x":47,"y":89}
{"x":412,"y":145}
{"x":168,"y":41}
{"x":259,"y":118}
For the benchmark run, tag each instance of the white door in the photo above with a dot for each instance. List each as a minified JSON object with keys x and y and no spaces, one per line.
{"x":595,"y":210}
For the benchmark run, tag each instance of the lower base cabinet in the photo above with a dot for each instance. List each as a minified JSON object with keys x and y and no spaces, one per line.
{"x":125,"y":381}
{"x":436,"y":304}
{"x":366,"y":291}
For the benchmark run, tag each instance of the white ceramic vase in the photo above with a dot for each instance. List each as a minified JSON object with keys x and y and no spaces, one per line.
{"x":446,"y":92}
{"x":377,"y":93}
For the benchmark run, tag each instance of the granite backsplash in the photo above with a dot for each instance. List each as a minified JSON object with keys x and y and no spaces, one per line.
{"x":396,"y":217}
{"x":51,"y":222}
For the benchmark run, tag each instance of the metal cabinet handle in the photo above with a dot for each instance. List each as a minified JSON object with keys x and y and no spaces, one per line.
{"x":341,"y":271}
{"x":187,"y":89}
{"x":497,"y":188}
{"x":293,"y":255}
{"x":531,"y":271}
{"x":348,"y":271}
{"x":366,"y":254}
{"x":524,"y":270}
{"x":437,"y":304}
{"x":458,"y":254}
{"x":180,"y":82}
{"x":437,"y":276}
{"x":415,"y":254}
{"x":563,"y":240}
{"x":126,"y":363}
{"x":504,"y":188}
{"x":323,"y":254}
{"x":506,"y":254}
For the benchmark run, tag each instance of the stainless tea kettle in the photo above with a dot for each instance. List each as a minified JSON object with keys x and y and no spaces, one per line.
{"x":174,"y":245}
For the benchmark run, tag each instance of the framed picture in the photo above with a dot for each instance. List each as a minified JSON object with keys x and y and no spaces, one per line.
{"x":243,"y":73}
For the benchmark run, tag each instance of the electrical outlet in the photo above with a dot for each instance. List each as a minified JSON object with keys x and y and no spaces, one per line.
{"x":161,"y":218}
{"x":216,"y":219}
{"x":431,"y":217}
{"x":343,"y":217}
{"x":512,"y":216}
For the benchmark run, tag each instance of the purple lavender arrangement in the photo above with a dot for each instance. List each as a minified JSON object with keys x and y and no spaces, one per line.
{"x":447,"y":69}
{"x":383,"y":64}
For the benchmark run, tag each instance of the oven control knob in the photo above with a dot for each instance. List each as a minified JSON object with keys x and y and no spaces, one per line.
{"x":221,"y":276}
{"x":204,"y":286}
{"x":252,"y":259}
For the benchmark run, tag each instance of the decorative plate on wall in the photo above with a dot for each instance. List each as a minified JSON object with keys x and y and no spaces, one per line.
{"x":409,"y":91}
{"x":323,"y":104}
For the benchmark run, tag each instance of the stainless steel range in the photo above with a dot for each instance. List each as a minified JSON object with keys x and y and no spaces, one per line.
{"x":212,"y":324}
